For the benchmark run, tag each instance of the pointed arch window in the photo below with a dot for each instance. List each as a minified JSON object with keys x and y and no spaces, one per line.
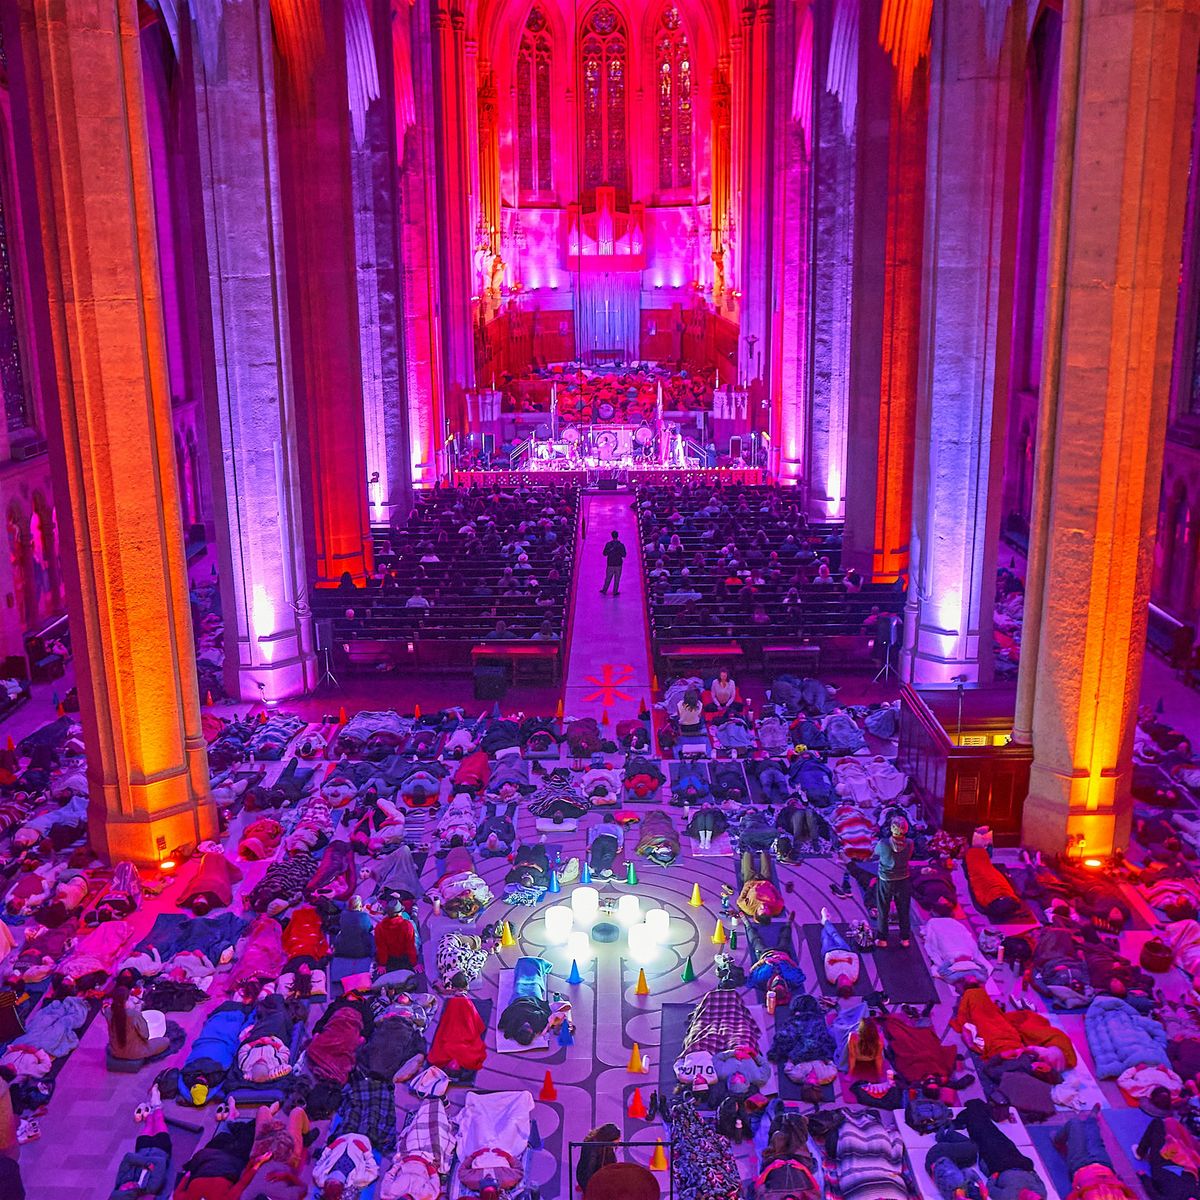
{"x":673,"y":79}
{"x":605,"y":68}
{"x":534,"y":158}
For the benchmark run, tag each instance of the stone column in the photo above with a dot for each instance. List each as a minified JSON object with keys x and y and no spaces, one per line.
{"x":376,"y":185}
{"x":268,"y":631}
{"x":971,"y":204}
{"x":313,"y":116}
{"x":1126,"y":99}
{"x":833,"y":206}
{"x":111,"y":433}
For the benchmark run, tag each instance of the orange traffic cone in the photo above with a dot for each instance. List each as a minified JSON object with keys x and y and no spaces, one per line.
{"x":658,"y":1160}
{"x":558,"y":711}
{"x":342,"y":715}
{"x":416,"y":712}
{"x":60,"y":711}
{"x":653,"y":683}
{"x":637,"y":1106}
{"x":642,"y":709}
{"x":643,"y":988}
{"x":208,"y":699}
{"x":636,"y":1066}
{"x":10,"y":744}
{"x":604,"y":717}
{"x":549,"y":1091}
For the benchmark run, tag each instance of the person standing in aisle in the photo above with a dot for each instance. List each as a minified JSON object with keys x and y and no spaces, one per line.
{"x":614,"y":557}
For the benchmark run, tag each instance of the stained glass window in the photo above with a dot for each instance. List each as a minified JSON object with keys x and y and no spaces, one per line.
{"x":533,"y":106}
{"x":673,"y":61}
{"x":12,"y":377}
{"x":604,"y":85}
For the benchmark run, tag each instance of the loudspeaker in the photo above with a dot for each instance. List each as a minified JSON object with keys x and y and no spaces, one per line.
{"x":489,"y":443}
{"x":608,"y":485}
{"x":324,"y":632}
{"x":735,"y":446}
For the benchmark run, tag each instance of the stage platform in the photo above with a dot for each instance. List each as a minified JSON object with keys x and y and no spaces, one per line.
{"x":591,"y":476}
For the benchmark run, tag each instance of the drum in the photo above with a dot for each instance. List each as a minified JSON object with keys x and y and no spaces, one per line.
{"x":606,"y":445}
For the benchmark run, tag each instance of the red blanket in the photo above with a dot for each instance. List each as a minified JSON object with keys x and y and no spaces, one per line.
{"x":458,"y":1043}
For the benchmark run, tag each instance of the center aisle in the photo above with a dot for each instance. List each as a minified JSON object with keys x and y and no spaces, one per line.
{"x":609,"y":666}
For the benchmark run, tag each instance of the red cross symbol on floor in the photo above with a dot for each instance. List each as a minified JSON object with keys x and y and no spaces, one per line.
{"x":611,"y":677}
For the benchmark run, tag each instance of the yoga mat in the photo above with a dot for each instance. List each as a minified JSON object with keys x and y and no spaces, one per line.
{"x":679,"y":771}
{"x":788,"y":1088}
{"x":904,"y":975}
{"x":670,"y":1044}
{"x":862,"y":987}
{"x":505,"y":1044}
{"x":1127,"y":1126}
{"x":1053,"y":1167}
{"x":720,"y":847}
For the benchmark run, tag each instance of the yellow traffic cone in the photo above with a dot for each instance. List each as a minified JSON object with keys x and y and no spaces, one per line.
{"x":658,"y":1160}
{"x":718,"y":937}
{"x":643,"y":988}
{"x":635,"y":1061}
{"x":507,"y":940}
{"x":696,"y":901}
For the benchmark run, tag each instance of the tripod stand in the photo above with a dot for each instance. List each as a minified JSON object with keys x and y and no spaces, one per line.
{"x":328,"y":679}
{"x":892,"y":626}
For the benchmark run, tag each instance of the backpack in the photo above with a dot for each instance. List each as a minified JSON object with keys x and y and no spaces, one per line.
{"x":926,"y":1116}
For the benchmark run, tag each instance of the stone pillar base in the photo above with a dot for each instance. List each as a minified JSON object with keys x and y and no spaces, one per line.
{"x":279,"y":680}
{"x":1052,"y":824}
{"x":145,"y":839}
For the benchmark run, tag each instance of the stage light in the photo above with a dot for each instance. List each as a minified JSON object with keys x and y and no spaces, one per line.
{"x":629,"y":910}
{"x":658,"y":921}
{"x":559,"y":922}
{"x":585,"y":904}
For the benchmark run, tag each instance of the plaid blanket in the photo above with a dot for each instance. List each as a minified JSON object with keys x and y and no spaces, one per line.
{"x":721,"y":1021}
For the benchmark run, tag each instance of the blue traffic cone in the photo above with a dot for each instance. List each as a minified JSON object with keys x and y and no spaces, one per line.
{"x":535,"y":1135}
{"x":564,"y":1035}
{"x":585,"y":876}
{"x":575,"y":978}
{"x":555,"y":887}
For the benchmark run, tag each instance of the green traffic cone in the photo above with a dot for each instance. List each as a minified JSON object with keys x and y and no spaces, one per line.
{"x":630,"y":875}
{"x":689,"y":972}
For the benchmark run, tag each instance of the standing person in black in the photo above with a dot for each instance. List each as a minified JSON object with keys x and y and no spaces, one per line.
{"x":614,"y":557}
{"x":894,"y":886}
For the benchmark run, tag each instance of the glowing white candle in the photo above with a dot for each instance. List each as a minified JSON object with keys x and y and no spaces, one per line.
{"x":629,"y":910}
{"x":585,"y":904}
{"x":658,"y":921}
{"x":579,"y":946}
{"x":559,"y":921}
{"x":642,"y":944}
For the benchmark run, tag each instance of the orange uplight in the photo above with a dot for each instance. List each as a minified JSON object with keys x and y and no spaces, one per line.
{"x":1094,"y":863}
{"x":167,"y":864}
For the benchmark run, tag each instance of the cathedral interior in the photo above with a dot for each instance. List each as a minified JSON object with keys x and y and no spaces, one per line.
{"x":601,"y":599}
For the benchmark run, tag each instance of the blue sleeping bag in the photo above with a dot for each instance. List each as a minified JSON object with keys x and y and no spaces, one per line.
{"x":529,"y":978}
